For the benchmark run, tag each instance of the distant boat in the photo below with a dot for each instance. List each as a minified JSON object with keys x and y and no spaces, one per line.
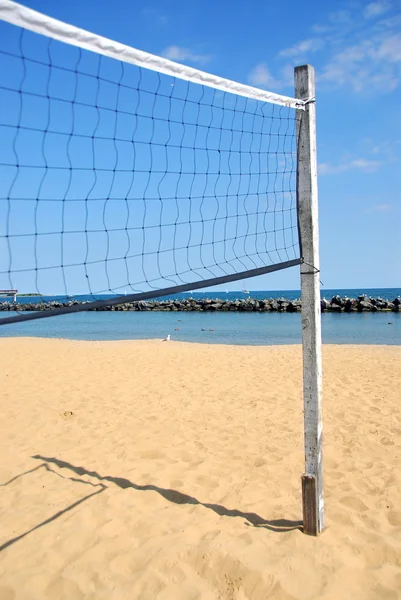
{"x":245,"y":291}
{"x":226,"y":291}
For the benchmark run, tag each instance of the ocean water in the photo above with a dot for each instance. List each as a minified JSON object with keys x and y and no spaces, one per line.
{"x":221,"y":327}
{"x":385,"y":293}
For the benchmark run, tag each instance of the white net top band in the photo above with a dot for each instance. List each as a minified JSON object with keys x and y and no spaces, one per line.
{"x":29,"y":19}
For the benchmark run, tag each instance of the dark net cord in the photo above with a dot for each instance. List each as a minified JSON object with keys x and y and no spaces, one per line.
{"x":119,"y":184}
{"x":139,"y":297}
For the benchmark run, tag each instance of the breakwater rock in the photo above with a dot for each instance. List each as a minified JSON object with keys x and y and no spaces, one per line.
{"x":338,"y":304}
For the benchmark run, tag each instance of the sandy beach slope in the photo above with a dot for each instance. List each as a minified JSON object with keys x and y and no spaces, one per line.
{"x":171,"y":471}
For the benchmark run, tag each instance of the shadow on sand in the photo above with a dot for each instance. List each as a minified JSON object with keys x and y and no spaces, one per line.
{"x":58,"y":514}
{"x":277,"y":525}
{"x":252,"y":519}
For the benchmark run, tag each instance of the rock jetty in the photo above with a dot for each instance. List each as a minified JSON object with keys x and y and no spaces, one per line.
{"x":337,"y":304}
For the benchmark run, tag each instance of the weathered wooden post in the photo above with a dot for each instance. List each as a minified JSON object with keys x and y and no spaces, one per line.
{"x":307,"y":198}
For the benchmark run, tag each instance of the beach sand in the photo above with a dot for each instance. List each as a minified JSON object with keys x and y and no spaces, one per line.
{"x":171,"y":471}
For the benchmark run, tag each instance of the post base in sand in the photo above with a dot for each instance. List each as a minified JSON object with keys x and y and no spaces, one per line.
{"x":309,"y":505}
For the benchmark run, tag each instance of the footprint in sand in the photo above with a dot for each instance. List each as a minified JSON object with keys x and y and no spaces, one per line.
{"x":7,"y":593}
{"x":386,"y":441}
{"x":67,"y":414}
{"x":394,"y":517}
{"x":354,"y":503}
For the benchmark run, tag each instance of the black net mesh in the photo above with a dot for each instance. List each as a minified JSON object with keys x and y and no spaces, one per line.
{"x":118,"y":180}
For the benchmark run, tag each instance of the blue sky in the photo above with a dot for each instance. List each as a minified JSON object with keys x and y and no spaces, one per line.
{"x":355,"y":48}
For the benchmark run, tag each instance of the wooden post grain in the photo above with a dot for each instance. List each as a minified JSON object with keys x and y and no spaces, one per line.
{"x":309,"y":505}
{"x":307,"y":199}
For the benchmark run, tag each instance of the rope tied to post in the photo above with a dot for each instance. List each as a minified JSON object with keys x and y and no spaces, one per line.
{"x":310,"y":100}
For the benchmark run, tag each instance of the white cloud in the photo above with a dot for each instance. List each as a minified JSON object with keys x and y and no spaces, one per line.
{"x":382,"y":207}
{"x":374,"y":9}
{"x":155,"y":15}
{"x":261,"y":76}
{"x":320,"y":28}
{"x":340,"y":17}
{"x":368,"y":64}
{"x":365,"y":165}
{"x":302,"y":48}
{"x":359,"y":164}
{"x":326,"y":169}
{"x":287,"y":76}
{"x":180,"y":54}
{"x":389,"y":49}
{"x":393,"y":22}
{"x":388,"y":150}
{"x":362,"y":51}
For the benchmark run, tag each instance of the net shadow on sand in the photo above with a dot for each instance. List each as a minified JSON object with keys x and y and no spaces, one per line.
{"x":176,"y":497}
{"x":59,"y":513}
